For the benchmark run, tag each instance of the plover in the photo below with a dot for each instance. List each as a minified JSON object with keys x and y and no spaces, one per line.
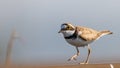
{"x":80,"y":36}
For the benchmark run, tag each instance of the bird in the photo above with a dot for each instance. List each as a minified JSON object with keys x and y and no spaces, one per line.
{"x":81,"y":36}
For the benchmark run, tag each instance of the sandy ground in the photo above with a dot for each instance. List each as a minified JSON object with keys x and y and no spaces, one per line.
{"x":66,"y":66}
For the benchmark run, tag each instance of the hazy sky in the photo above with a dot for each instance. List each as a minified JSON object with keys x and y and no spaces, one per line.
{"x":38,"y":22}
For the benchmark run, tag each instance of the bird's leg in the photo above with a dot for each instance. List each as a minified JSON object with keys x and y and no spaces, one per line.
{"x":87,"y":60}
{"x":74,"y":56}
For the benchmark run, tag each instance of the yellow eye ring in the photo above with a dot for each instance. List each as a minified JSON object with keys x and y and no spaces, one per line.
{"x":68,"y":27}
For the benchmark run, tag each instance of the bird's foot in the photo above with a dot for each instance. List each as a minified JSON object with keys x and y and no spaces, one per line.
{"x":73,"y":58}
{"x":83,"y":63}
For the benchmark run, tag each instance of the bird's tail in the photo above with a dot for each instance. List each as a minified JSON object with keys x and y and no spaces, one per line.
{"x":105,"y":32}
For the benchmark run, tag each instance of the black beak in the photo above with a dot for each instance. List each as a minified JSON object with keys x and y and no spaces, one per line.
{"x":59,"y":31}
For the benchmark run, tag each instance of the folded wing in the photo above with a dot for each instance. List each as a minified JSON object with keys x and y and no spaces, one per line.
{"x":87,"y":34}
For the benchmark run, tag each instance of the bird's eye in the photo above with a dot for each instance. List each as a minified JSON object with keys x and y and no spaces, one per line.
{"x":68,"y":27}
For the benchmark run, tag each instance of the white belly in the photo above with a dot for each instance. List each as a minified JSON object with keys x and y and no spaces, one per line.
{"x":78,"y":42}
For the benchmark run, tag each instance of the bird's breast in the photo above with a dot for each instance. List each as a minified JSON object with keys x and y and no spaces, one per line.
{"x":78,"y":42}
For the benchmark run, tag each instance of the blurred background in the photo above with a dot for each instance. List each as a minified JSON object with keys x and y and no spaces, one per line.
{"x":37,"y":22}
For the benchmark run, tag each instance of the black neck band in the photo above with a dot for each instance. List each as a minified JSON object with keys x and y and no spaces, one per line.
{"x":74,"y":36}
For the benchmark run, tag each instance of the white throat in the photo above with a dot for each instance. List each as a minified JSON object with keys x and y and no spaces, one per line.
{"x":68,"y":33}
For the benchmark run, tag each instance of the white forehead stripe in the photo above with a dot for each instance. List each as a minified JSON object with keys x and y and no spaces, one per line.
{"x":63,"y":26}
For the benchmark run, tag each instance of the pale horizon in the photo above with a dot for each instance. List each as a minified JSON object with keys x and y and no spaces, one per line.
{"x":38,"y":23}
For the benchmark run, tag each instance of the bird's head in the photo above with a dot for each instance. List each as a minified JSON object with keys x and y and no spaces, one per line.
{"x":67,"y":29}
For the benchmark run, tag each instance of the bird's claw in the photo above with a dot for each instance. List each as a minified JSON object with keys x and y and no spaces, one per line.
{"x":83,"y":63}
{"x":73,"y":58}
